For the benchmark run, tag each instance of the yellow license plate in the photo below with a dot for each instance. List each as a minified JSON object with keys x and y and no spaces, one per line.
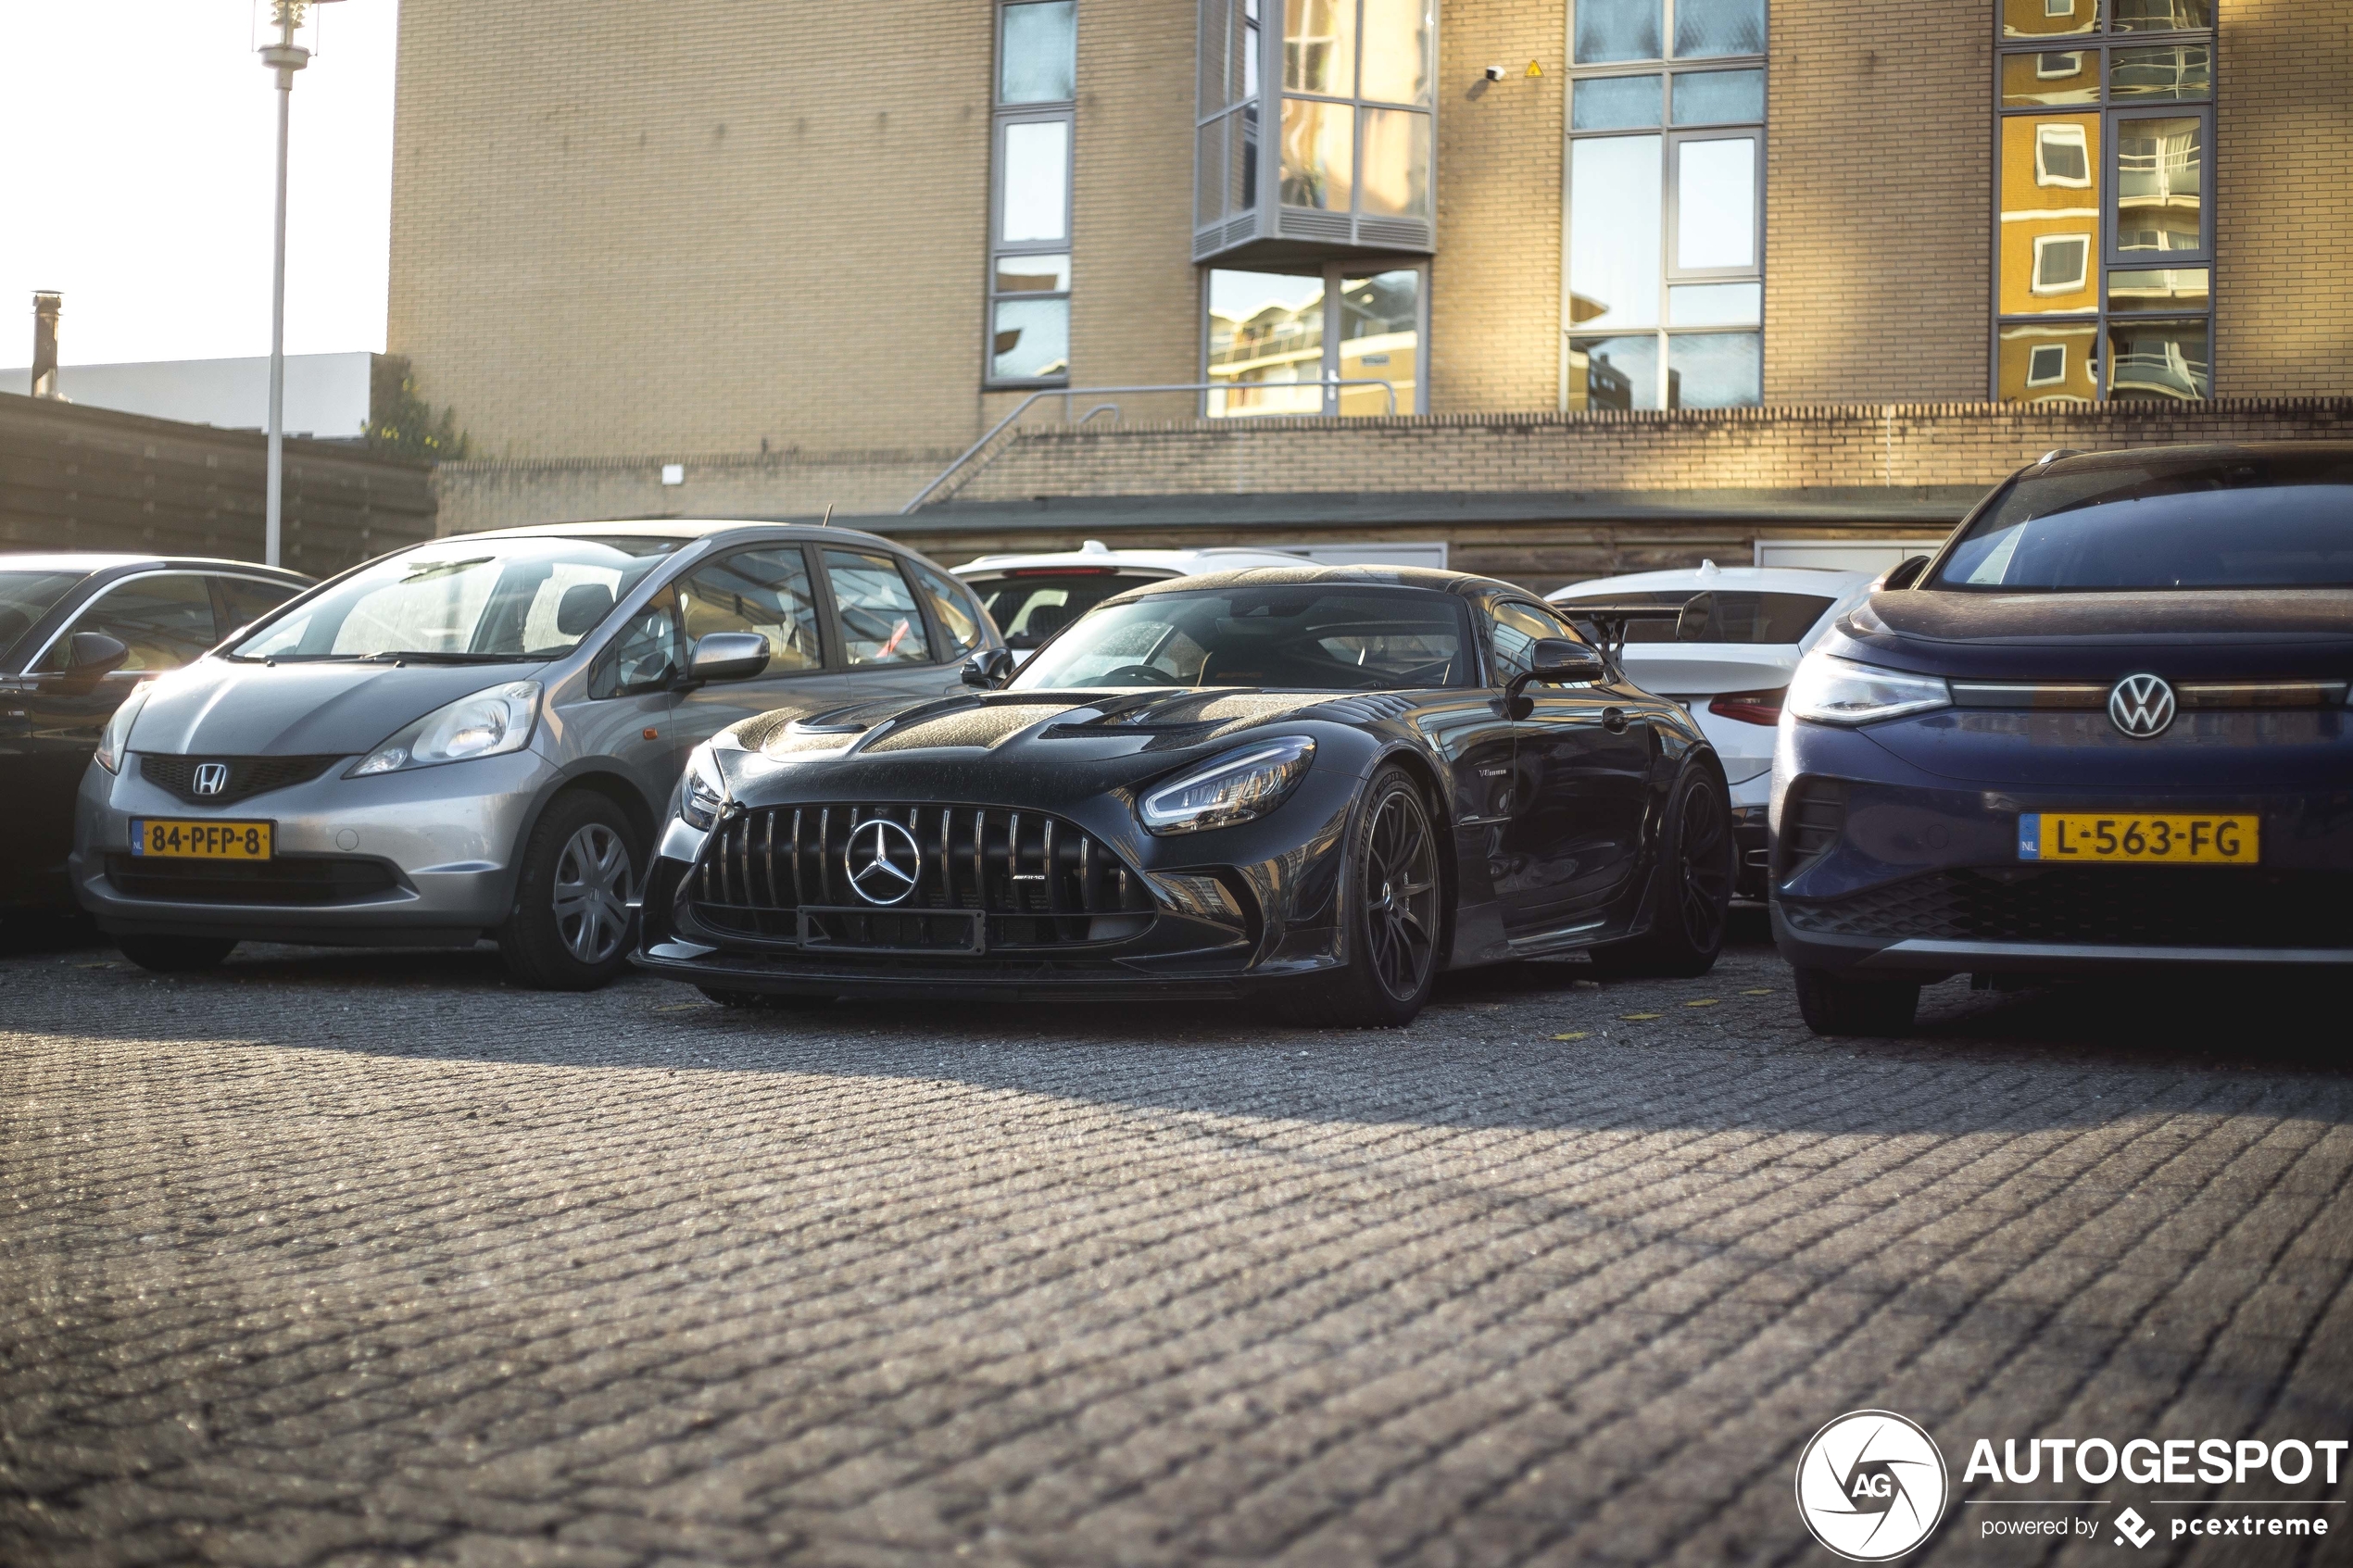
{"x":181,"y":840}
{"x":2141,"y":838}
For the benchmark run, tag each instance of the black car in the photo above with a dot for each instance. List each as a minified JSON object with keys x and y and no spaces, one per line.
{"x":2102,"y":729}
{"x":77,"y":632}
{"x":1328,"y":783}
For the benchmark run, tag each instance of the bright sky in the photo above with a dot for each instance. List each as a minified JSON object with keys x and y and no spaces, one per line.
{"x":140,"y":183}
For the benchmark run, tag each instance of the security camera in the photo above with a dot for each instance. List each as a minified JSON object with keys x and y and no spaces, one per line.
{"x":1495,"y":73}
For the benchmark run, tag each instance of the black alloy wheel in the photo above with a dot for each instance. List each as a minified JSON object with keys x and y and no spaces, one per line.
{"x":1697,"y":868}
{"x":1391,"y":911}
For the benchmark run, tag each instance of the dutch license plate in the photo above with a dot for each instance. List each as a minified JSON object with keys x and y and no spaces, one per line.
{"x":2163,"y":838}
{"x":200,"y":841}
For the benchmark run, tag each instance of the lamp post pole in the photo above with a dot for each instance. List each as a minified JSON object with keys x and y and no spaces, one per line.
{"x":284,"y":56}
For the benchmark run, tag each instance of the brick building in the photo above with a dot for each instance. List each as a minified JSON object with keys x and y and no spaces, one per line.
{"x":1642,"y":278}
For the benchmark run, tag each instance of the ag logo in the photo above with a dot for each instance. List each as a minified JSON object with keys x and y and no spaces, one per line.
{"x":1871,"y":1486}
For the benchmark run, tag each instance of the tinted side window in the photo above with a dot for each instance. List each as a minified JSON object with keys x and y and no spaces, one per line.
{"x":165,"y":621}
{"x":1515,"y":629}
{"x":241,"y":601}
{"x":879,"y":621}
{"x":952,"y":610}
{"x":763,"y":590}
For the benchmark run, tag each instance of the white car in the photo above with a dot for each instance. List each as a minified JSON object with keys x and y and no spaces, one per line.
{"x":1728,"y":661}
{"x":1031,"y":598}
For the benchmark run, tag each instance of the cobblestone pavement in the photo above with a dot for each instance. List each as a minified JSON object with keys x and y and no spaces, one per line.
{"x":372,"y":1258}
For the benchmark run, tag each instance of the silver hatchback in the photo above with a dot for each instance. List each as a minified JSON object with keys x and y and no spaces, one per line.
{"x":477,"y":736}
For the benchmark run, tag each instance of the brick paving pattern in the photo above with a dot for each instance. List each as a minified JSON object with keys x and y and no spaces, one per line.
{"x":369,"y":1260}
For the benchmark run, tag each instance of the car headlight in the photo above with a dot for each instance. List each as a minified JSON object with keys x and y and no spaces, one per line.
{"x":702,"y":794}
{"x":1234,"y":788}
{"x":1839,"y":691}
{"x":490,"y":723}
{"x":114,"y":741}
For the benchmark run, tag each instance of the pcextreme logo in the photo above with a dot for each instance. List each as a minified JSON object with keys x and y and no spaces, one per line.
{"x":1871,"y":1486}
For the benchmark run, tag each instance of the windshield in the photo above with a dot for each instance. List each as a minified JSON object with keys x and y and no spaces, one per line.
{"x":1030,"y":605}
{"x":2247,"y":520}
{"x":1305,"y":636}
{"x":26,"y":596}
{"x":1724,"y":615}
{"x":470,"y":601}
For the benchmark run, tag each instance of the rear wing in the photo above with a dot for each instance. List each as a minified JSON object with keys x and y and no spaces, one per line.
{"x":1610,"y":621}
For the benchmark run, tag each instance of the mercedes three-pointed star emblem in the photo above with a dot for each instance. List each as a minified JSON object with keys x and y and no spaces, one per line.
{"x":884,"y":861}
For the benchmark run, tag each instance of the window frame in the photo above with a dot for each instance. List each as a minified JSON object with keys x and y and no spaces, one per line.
{"x":829,"y":646}
{"x":1333,"y":271}
{"x":2098,"y":45}
{"x":1002,"y":116}
{"x":75,"y":616}
{"x":829,"y":610}
{"x":1668,"y":67}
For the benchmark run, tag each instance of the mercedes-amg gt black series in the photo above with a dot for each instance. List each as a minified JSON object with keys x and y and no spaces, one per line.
{"x":2104,"y":728}
{"x":1321,"y":786}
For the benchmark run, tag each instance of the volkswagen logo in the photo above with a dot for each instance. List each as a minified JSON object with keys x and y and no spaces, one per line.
{"x":2141,"y":705}
{"x":211,"y":778}
{"x":1871,"y":1486}
{"x":884,"y":861}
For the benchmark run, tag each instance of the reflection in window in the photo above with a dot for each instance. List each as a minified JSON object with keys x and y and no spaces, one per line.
{"x":1615,"y":102}
{"x":1395,"y":178}
{"x":1709,"y":28}
{"x":1319,"y":163}
{"x":1397,"y":41}
{"x":879,"y":621}
{"x":1718,"y":98}
{"x":1615,"y":224}
{"x":164,"y":620}
{"x":1610,"y":31}
{"x":1613,"y":372}
{"x":1379,"y":340}
{"x":764,"y":591}
{"x":1716,"y":205}
{"x":1319,"y":48}
{"x":1266,"y":343}
{"x":1714,"y":304}
{"x":2093,"y":232}
{"x":1030,"y":218}
{"x":2158,"y":360}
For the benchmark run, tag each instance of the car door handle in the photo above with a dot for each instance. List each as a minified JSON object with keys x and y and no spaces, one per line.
{"x":1613,"y":721}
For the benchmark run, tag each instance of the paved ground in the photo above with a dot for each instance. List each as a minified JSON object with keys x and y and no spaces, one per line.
{"x":330,"y":1259}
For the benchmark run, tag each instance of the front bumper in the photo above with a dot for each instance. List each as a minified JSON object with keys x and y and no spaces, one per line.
{"x":1207,"y":916}
{"x":402,"y":860}
{"x":1922,"y":879}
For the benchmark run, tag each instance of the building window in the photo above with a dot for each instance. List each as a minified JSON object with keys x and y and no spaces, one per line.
{"x":2103,"y":226}
{"x":1662,"y":279}
{"x":1030,"y":206}
{"x":1272,"y":346}
{"x":1348,"y":89}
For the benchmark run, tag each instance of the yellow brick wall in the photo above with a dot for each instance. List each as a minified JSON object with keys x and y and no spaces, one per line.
{"x":1876,"y":201}
{"x":626,"y":228}
{"x":2283,"y":122}
{"x":1495,"y":285}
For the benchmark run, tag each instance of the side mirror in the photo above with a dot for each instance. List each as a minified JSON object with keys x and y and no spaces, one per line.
{"x":727,"y":656}
{"x":1902,"y":574}
{"x":93,"y":655}
{"x":988,"y":668}
{"x":1553,"y":659}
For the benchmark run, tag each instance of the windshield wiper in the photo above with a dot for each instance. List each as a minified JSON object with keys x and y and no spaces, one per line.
{"x":418,"y":656}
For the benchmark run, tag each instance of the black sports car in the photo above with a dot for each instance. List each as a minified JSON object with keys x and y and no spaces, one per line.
{"x":1328,"y":783}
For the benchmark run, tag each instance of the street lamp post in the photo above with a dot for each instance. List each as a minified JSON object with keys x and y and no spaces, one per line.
{"x":284,"y":56}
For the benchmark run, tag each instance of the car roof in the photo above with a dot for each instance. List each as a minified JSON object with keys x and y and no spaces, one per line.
{"x":1094,"y":552}
{"x":1426,"y":577}
{"x":1824,"y":582}
{"x":101,"y":560}
{"x":2190,"y":456}
{"x":673,"y":528}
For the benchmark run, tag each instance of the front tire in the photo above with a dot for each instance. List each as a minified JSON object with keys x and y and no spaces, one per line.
{"x":1390,"y":913}
{"x":1833,"y":1004}
{"x":176,"y":955}
{"x":571,"y":927}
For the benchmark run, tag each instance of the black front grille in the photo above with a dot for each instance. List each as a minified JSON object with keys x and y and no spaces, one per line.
{"x":2164,"y":906}
{"x":292,"y":879}
{"x":988,"y":878}
{"x":248,"y":776}
{"x":1812,"y":820}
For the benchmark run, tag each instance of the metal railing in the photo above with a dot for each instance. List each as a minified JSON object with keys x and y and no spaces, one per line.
{"x":1328,"y":385}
